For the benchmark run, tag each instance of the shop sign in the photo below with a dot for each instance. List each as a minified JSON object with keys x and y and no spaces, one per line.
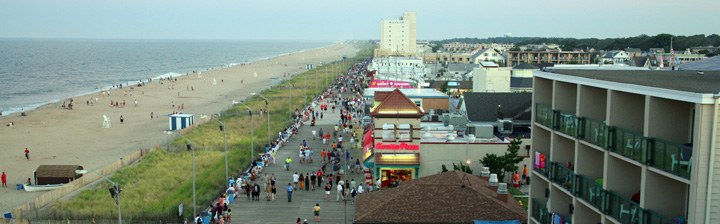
{"x":381,"y":83}
{"x":453,"y":84}
{"x":401,"y":146}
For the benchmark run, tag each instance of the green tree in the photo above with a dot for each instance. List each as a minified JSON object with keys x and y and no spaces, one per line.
{"x":444,"y":87}
{"x":515,"y":48}
{"x":444,"y":169}
{"x":462,"y":167}
{"x":435,"y":48}
{"x":505,"y":163}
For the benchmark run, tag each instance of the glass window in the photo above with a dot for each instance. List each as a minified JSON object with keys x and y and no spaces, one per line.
{"x":404,"y":131}
{"x":388,"y":133}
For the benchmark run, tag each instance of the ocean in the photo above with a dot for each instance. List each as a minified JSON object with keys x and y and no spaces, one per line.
{"x":35,"y":72}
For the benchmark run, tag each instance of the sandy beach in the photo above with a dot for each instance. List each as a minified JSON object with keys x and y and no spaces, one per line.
{"x":57,"y":136}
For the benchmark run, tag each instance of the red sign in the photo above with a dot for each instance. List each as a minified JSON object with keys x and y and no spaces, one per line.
{"x":401,"y":146}
{"x":381,"y":83}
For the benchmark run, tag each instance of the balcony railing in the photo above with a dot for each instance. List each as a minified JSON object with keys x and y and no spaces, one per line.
{"x":630,"y":144}
{"x":591,"y":192}
{"x":540,"y":212}
{"x":655,"y":218}
{"x":595,"y":132}
{"x":544,"y":171}
{"x":671,"y":157}
{"x":563,"y":176}
{"x":566,"y":123}
{"x":544,"y":115}
{"x":623,"y":209}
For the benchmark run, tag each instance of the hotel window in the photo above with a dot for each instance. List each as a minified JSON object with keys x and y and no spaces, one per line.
{"x":388,"y":133}
{"x":404,"y":132}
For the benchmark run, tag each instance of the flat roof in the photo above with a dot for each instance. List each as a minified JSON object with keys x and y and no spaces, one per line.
{"x":410,"y":93}
{"x":687,"y":81}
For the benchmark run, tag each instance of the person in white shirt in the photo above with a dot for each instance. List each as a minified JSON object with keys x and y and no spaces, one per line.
{"x":314,"y":133}
{"x":296,"y":178}
{"x":340,"y":193}
{"x":360,"y":189}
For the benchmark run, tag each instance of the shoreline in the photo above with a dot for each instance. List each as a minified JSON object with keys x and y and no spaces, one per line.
{"x":57,"y":136}
{"x":105,"y":87}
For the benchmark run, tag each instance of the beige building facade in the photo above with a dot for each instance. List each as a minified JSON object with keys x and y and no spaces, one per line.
{"x":399,"y":36}
{"x":612,"y":149}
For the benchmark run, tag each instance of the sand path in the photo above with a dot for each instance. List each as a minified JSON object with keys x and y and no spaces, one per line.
{"x":57,"y":136}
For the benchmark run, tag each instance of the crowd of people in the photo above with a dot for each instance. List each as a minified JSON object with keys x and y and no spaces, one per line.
{"x":335,"y":162}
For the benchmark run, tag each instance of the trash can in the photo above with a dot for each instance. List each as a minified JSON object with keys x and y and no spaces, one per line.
{"x":205,"y":216}
{"x":19,"y":186}
{"x":8,"y":215}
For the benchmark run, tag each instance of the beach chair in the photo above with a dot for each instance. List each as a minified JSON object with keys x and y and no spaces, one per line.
{"x":106,"y":122}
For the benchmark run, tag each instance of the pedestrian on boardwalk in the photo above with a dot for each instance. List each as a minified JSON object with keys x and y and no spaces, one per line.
{"x":340,"y":193}
{"x":312,"y":181}
{"x":327,"y":191}
{"x":302,"y":181}
{"x":307,"y":181}
{"x":353,"y":193}
{"x":316,"y":212}
{"x":295,"y":177}
{"x":289,"y":193}
{"x":274,"y":191}
{"x":268,"y":191}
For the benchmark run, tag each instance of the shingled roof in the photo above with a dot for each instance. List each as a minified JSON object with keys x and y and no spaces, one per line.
{"x":397,"y":104}
{"x":484,"y":106}
{"x":381,"y":95}
{"x":439,"y":198}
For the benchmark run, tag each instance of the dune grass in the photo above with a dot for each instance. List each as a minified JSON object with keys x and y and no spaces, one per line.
{"x":163,"y":180}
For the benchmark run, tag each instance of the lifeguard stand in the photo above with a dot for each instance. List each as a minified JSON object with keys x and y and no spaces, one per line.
{"x":106,"y":122}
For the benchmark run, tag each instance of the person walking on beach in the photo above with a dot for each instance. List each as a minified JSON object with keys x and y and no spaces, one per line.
{"x":4,"y":179}
{"x":27,"y":154}
{"x":151,"y":115}
{"x":122,"y":119}
{"x":316,"y":211}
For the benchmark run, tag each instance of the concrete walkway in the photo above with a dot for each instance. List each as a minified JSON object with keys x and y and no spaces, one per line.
{"x":280,"y":211}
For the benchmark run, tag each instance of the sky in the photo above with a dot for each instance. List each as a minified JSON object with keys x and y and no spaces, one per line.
{"x":337,"y":20}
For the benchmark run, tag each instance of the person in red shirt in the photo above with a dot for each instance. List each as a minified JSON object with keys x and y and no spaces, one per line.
{"x":323,"y":154}
{"x":516,"y":180}
{"x":4,"y":179}
{"x":27,"y":153}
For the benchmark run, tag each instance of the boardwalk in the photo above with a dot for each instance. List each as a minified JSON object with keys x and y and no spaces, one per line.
{"x":280,"y":211}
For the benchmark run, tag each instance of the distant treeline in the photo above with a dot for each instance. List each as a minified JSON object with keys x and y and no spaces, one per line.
{"x":644,"y":42}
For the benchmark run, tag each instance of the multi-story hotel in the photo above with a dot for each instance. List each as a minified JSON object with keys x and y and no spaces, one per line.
{"x":551,"y":56}
{"x":399,"y":36}
{"x":625,"y":147}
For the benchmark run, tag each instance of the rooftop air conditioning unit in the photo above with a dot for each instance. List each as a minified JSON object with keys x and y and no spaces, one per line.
{"x":434,"y":117}
{"x":446,"y":119}
{"x":505,"y":126}
{"x":481,"y":131}
{"x":458,"y":120}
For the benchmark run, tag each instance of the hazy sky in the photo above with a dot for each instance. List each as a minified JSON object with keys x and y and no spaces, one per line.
{"x":344,"y":19}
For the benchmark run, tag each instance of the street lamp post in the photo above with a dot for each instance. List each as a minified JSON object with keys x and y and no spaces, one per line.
{"x":267,"y":103}
{"x":222,"y":128}
{"x":191,"y":147}
{"x":252,"y":134}
{"x":116,"y":188}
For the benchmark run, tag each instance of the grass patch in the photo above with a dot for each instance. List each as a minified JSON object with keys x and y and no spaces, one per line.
{"x":522,"y":200}
{"x":163,"y":180}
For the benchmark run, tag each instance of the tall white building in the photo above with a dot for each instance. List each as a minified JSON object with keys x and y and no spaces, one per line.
{"x":398,"y":37}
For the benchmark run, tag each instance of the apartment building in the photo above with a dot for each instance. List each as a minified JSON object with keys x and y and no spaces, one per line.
{"x":466,"y":47}
{"x":398,"y":36}
{"x":625,"y":147}
{"x":515,"y":58}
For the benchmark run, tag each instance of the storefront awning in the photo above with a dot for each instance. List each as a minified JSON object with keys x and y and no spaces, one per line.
{"x":412,"y":159}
